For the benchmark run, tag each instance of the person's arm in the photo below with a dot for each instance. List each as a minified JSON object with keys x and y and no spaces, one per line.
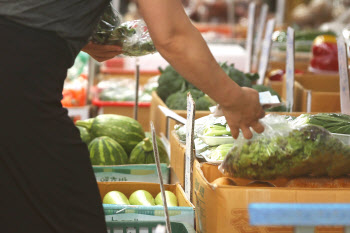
{"x":102,"y":52}
{"x":180,"y":43}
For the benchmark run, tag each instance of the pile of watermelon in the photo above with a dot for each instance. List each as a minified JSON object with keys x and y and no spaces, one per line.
{"x":116,"y":140}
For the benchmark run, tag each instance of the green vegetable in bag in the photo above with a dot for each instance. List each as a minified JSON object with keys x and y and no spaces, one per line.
{"x":216,"y":130}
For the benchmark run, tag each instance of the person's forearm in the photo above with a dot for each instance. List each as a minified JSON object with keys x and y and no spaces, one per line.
{"x":185,"y":49}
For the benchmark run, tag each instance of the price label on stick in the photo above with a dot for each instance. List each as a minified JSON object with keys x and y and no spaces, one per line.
{"x":160,"y":176}
{"x":171,"y":115}
{"x":250,"y":36}
{"x":290,"y":70}
{"x":189,"y":155}
{"x":137,"y":81}
{"x":280,"y":11}
{"x":343,"y":76}
{"x":259,"y":33}
{"x":265,"y":53}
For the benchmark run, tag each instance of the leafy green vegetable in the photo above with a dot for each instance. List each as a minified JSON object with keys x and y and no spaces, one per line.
{"x":333,"y":122}
{"x":171,"y":82}
{"x":216,"y":130}
{"x":221,"y":151}
{"x":178,"y":100}
{"x":242,"y":79}
{"x":309,"y":151}
{"x":132,"y":36}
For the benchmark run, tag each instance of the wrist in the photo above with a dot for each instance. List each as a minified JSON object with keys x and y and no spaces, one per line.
{"x":233,"y":95}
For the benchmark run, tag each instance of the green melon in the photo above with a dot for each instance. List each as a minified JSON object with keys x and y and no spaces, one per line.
{"x":106,"y":151}
{"x":143,"y":153}
{"x":125,"y":130}
{"x":84,"y":134}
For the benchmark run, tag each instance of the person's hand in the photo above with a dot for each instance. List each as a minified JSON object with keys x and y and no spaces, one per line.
{"x":102,"y":52}
{"x":244,"y":113}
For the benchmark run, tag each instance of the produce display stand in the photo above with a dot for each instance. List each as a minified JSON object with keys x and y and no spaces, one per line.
{"x":315,"y":93}
{"x":131,"y":172}
{"x":183,"y":213}
{"x":178,"y":150}
{"x":146,"y":227}
{"x":125,"y":108}
{"x":159,"y":119}
{"x":224,"y":208}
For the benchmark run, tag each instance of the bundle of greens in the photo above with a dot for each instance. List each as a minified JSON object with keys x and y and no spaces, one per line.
{"x":132,"y":36}
{"x":173,"y":88}
{"x":310,"y":150}
{"x":333,"y":122}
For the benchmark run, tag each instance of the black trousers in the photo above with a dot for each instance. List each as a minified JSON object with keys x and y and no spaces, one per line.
{"x":46,"y":179}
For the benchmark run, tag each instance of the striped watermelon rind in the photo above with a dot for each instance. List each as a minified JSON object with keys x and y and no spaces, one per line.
{"x":84,"y":135}
{"x":106,"y":151}
{"x":125,"y":130}
{"x":143,"y":153}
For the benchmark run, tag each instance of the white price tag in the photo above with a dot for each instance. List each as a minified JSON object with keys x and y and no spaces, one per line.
{"x":259,"y":34}
{"x":250,"y":36}
{"x":290,"y":69}
{"x":189,"y":156}
{"x":160,"y":176}
{"x":343,"y":76}
{"x":280,"y":11}
{"x":265,"y":53}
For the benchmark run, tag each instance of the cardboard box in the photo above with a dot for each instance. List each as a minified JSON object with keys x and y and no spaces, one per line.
{"x":131,"y":172}
{"x":159,"y":119}
{"x":183,"y":213}
{"x":224,"y":208}
{"x":324,"y":91}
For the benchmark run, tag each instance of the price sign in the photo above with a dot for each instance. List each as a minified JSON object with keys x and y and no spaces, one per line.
{"x":250,"y":36}
{"x":259,"y":33}
{"x":265,"y":53}
{"x":290,"y":69}
{"x":189,"y":155}
{"x":343,"y":76}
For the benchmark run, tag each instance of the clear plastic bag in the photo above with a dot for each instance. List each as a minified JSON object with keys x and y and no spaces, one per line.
{"x":132,"y":36}
{"x":283,"y":151}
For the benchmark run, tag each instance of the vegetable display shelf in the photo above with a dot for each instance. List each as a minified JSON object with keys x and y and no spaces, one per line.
{"x":160,"y":120}
{"x":224,"y":208}
{"x":183,"y":213}
{"x":320,"y":92}
{"x":126,"y":109}
{"x":178,"y":150}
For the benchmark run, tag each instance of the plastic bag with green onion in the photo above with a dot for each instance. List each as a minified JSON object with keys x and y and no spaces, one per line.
{"x":132,"y":36}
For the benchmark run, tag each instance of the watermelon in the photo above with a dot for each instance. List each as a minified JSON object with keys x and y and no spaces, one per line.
{"x":84,"y":134}
{"x":143,"y":153}
{"x":106,"y":151}
{"x":85,"y":123}
{"x":125,"y":130}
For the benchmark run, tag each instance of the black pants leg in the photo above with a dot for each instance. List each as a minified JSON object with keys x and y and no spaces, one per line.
{"x":46,"y":179}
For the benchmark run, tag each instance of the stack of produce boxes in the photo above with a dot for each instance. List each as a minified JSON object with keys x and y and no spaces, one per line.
{"x":302,"y":164}
{"x":123,"y":161}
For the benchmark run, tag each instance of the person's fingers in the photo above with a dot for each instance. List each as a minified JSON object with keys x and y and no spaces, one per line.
{"x":234,"y":132}
{"x":246,"y":132}
{"x":261,"y":114}
{"x":258,"y":127}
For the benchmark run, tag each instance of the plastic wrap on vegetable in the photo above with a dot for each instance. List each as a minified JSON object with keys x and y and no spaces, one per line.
{"x":288,"y":152}
{"x":132,"y":36}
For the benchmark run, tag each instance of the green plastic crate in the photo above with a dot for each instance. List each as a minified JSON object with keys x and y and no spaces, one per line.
{"x":134,"y":172}
{"x":146,"y":227}
{"x":116,"y":213}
